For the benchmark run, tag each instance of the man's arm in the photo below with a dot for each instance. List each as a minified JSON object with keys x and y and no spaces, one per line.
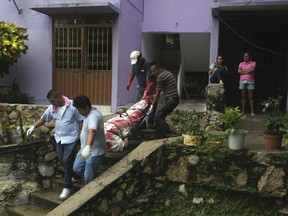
{"x":156,"y":97}
{"x":91,"y":136}
{"x":90,"y":140}
{"x":39,"y":123}
{"x":131,"y":77}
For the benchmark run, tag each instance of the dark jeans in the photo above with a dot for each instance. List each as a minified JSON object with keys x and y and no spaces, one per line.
{"x":162,"y":128}
{"x":66,"y":154}
{"x":215,"y":77}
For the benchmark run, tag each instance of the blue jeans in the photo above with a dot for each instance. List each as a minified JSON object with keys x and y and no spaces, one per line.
{"x":66,"y":155}
{"x":88,"y":169}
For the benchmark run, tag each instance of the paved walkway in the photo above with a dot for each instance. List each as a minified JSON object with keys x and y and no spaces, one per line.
{"x":253,"y":124}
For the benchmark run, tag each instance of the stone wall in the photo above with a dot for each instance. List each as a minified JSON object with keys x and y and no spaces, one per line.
{"x":153,"y":164}
{"x":215,"y":98}
{"x":25,"y":168}
{"x":15,"y":119}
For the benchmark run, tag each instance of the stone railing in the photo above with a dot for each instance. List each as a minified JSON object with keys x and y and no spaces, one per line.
{"x":26,"y":168}
{"x":157,"y":162}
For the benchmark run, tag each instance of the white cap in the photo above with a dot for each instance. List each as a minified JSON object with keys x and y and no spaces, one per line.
{"x":134,"y":57}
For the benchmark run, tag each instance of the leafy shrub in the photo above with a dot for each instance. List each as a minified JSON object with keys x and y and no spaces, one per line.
{"x":12,"y":45}
{"x":12,"y":94}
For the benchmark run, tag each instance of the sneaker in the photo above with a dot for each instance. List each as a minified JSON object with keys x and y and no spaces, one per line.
{"x":74,"y":180}
{"x":65,"y":193}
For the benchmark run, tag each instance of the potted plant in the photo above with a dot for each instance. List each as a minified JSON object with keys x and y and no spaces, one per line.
{"x":188,"y":124}
{"x":284,"y":130}
{"x":236,"y":136}
{"x":273,"y":122}
{"x":216,"y":139}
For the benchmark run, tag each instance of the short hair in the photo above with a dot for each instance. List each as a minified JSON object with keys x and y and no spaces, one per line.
{"x":155,"y":63}
{"x":81,"y":101}
{"x":53,"y":93}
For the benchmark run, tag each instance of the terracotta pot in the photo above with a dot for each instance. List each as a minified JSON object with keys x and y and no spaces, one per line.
{"x":272,"y":141}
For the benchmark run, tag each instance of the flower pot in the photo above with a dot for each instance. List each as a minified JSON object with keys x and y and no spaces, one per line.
{"x":215,"y":143}
{"x":236,"y":140}
{"x":272,"y":141}
{"x":191,"y":140}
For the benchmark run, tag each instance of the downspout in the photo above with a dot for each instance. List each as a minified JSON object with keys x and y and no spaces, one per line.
{"x":19,"y":10}
{"x":180,"y":79}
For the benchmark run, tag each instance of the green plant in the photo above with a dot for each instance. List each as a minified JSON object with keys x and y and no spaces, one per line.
{"x":12,"y":45}
{"x":276,"y":121}
{"x":273,"y":123}
{"x":272,"y":104}
{"x":12,"y":94}
{"x":284,"y":130}
{"x":187,"y":122}
{"x":230,"y":118}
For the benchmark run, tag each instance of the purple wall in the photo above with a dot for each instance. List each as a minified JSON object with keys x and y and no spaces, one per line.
{"x":127,"y":37}
{"x":33,"y":71}
{"x":177,"y":16}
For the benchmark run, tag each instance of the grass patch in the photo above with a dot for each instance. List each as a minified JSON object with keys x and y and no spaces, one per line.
{"x":169,"y":201}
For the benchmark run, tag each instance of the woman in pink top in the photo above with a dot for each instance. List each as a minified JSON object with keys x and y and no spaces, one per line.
{"x":246,"y":70}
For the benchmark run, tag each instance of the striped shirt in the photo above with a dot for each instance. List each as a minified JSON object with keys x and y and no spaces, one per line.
{"x":166,"y":82}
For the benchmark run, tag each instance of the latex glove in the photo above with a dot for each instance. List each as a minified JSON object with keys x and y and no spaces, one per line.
{"x":85,"y":152}
{"x":129,"y":82}
{"x":30,"y":130}
{"x":150,"y":109}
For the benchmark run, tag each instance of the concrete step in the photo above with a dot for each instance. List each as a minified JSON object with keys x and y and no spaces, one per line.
{"x":252,"y":123}
{"x":113,"y":157}
{"x":48,"y":199}
{"x":144,"y":134}
{"x":26,"y":210}
{"x":57,"y":185}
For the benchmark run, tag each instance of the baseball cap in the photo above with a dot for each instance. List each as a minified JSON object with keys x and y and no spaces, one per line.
{"x":134,"y":56}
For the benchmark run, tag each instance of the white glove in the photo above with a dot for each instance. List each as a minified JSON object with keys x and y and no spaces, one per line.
{"x":150,"y":109}
{"x":85,"y":152}
{"x":30,"y":130}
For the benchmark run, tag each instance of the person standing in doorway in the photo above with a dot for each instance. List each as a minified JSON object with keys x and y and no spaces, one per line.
{"x":166,"y":84}
{"x":246,"y":70}
{"x":92,"y":138}
{"x":140,"y":69}
{"x":67,"y":129}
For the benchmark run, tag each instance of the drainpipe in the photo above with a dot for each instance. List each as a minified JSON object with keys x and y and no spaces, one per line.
{"x":19,"y":10}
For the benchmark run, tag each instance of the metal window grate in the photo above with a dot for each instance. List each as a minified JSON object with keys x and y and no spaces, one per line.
{"x":97,"y":50}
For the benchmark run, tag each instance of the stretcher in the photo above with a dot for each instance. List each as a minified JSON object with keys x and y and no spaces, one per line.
{"x":118,"y":128}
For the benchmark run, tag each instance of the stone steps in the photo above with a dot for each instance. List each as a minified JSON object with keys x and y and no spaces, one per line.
{"x":26,"y":210}
{"x":44,"y":201}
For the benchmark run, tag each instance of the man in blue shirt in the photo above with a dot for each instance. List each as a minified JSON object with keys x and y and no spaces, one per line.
{"x":92,"y":137}
{"x":140,"y":69}
{"x":67,"y":129}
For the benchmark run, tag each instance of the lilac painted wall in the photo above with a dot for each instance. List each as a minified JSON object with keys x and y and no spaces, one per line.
{"x":128,"y":38}
{"x":33,"y":71}
{"x":177,"y":16}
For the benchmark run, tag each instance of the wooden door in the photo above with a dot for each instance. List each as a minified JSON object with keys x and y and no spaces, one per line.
{"x":83,"y":60}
